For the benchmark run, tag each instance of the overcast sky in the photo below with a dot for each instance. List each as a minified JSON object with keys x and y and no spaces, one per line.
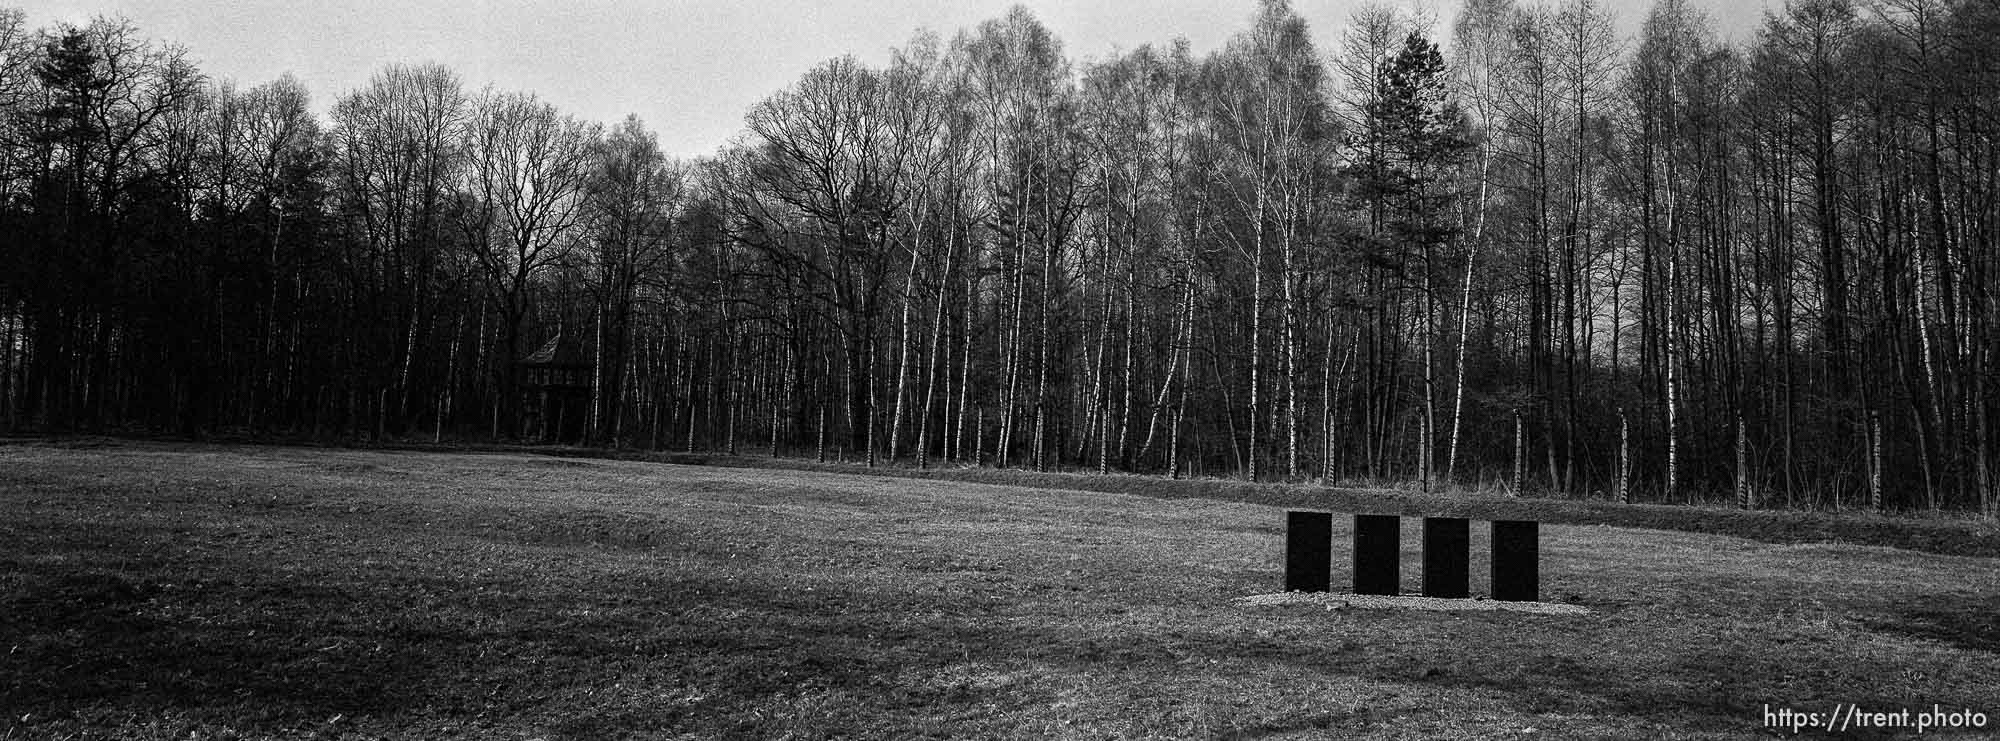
{"x":689,"y":68}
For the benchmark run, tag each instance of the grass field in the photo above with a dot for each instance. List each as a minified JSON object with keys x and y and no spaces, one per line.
{"x":177,"y":591}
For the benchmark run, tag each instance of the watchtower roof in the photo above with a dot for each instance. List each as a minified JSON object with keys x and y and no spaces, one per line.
{"x":558,"y":352}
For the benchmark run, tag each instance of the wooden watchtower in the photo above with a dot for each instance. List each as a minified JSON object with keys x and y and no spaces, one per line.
{"x":556,"y":391}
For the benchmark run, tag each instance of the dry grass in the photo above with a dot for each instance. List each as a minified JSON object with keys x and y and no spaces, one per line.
{"x":178,"y":591}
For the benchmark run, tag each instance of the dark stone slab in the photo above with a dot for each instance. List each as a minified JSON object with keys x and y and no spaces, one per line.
{"x":1378,"y":554}
{"x":1447,"y":555}
{"x":1308,"y":551}
{"x":1517,"y":575}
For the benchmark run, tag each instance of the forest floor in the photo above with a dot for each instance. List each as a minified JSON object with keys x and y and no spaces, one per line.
{"x":177,"y":591}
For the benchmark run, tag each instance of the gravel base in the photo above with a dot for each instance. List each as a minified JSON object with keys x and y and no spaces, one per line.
{"x":1332,"y":601}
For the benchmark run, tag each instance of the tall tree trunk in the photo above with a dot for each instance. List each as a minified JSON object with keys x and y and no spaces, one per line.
{"x":939,"y":354}
{"x":903,"y":354}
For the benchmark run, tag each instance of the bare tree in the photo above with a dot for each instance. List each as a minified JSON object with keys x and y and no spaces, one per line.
{"x":527,"y":167}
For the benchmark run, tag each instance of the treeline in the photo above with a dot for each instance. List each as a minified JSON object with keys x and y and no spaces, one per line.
{"x":1520,"y":252}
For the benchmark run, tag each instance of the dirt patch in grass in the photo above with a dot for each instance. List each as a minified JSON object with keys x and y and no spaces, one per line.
{"x":1337,"y":601}
{"x":177,"y":591}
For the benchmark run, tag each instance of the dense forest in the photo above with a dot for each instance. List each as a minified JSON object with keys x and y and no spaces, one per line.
{"x":1520,"y":252}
